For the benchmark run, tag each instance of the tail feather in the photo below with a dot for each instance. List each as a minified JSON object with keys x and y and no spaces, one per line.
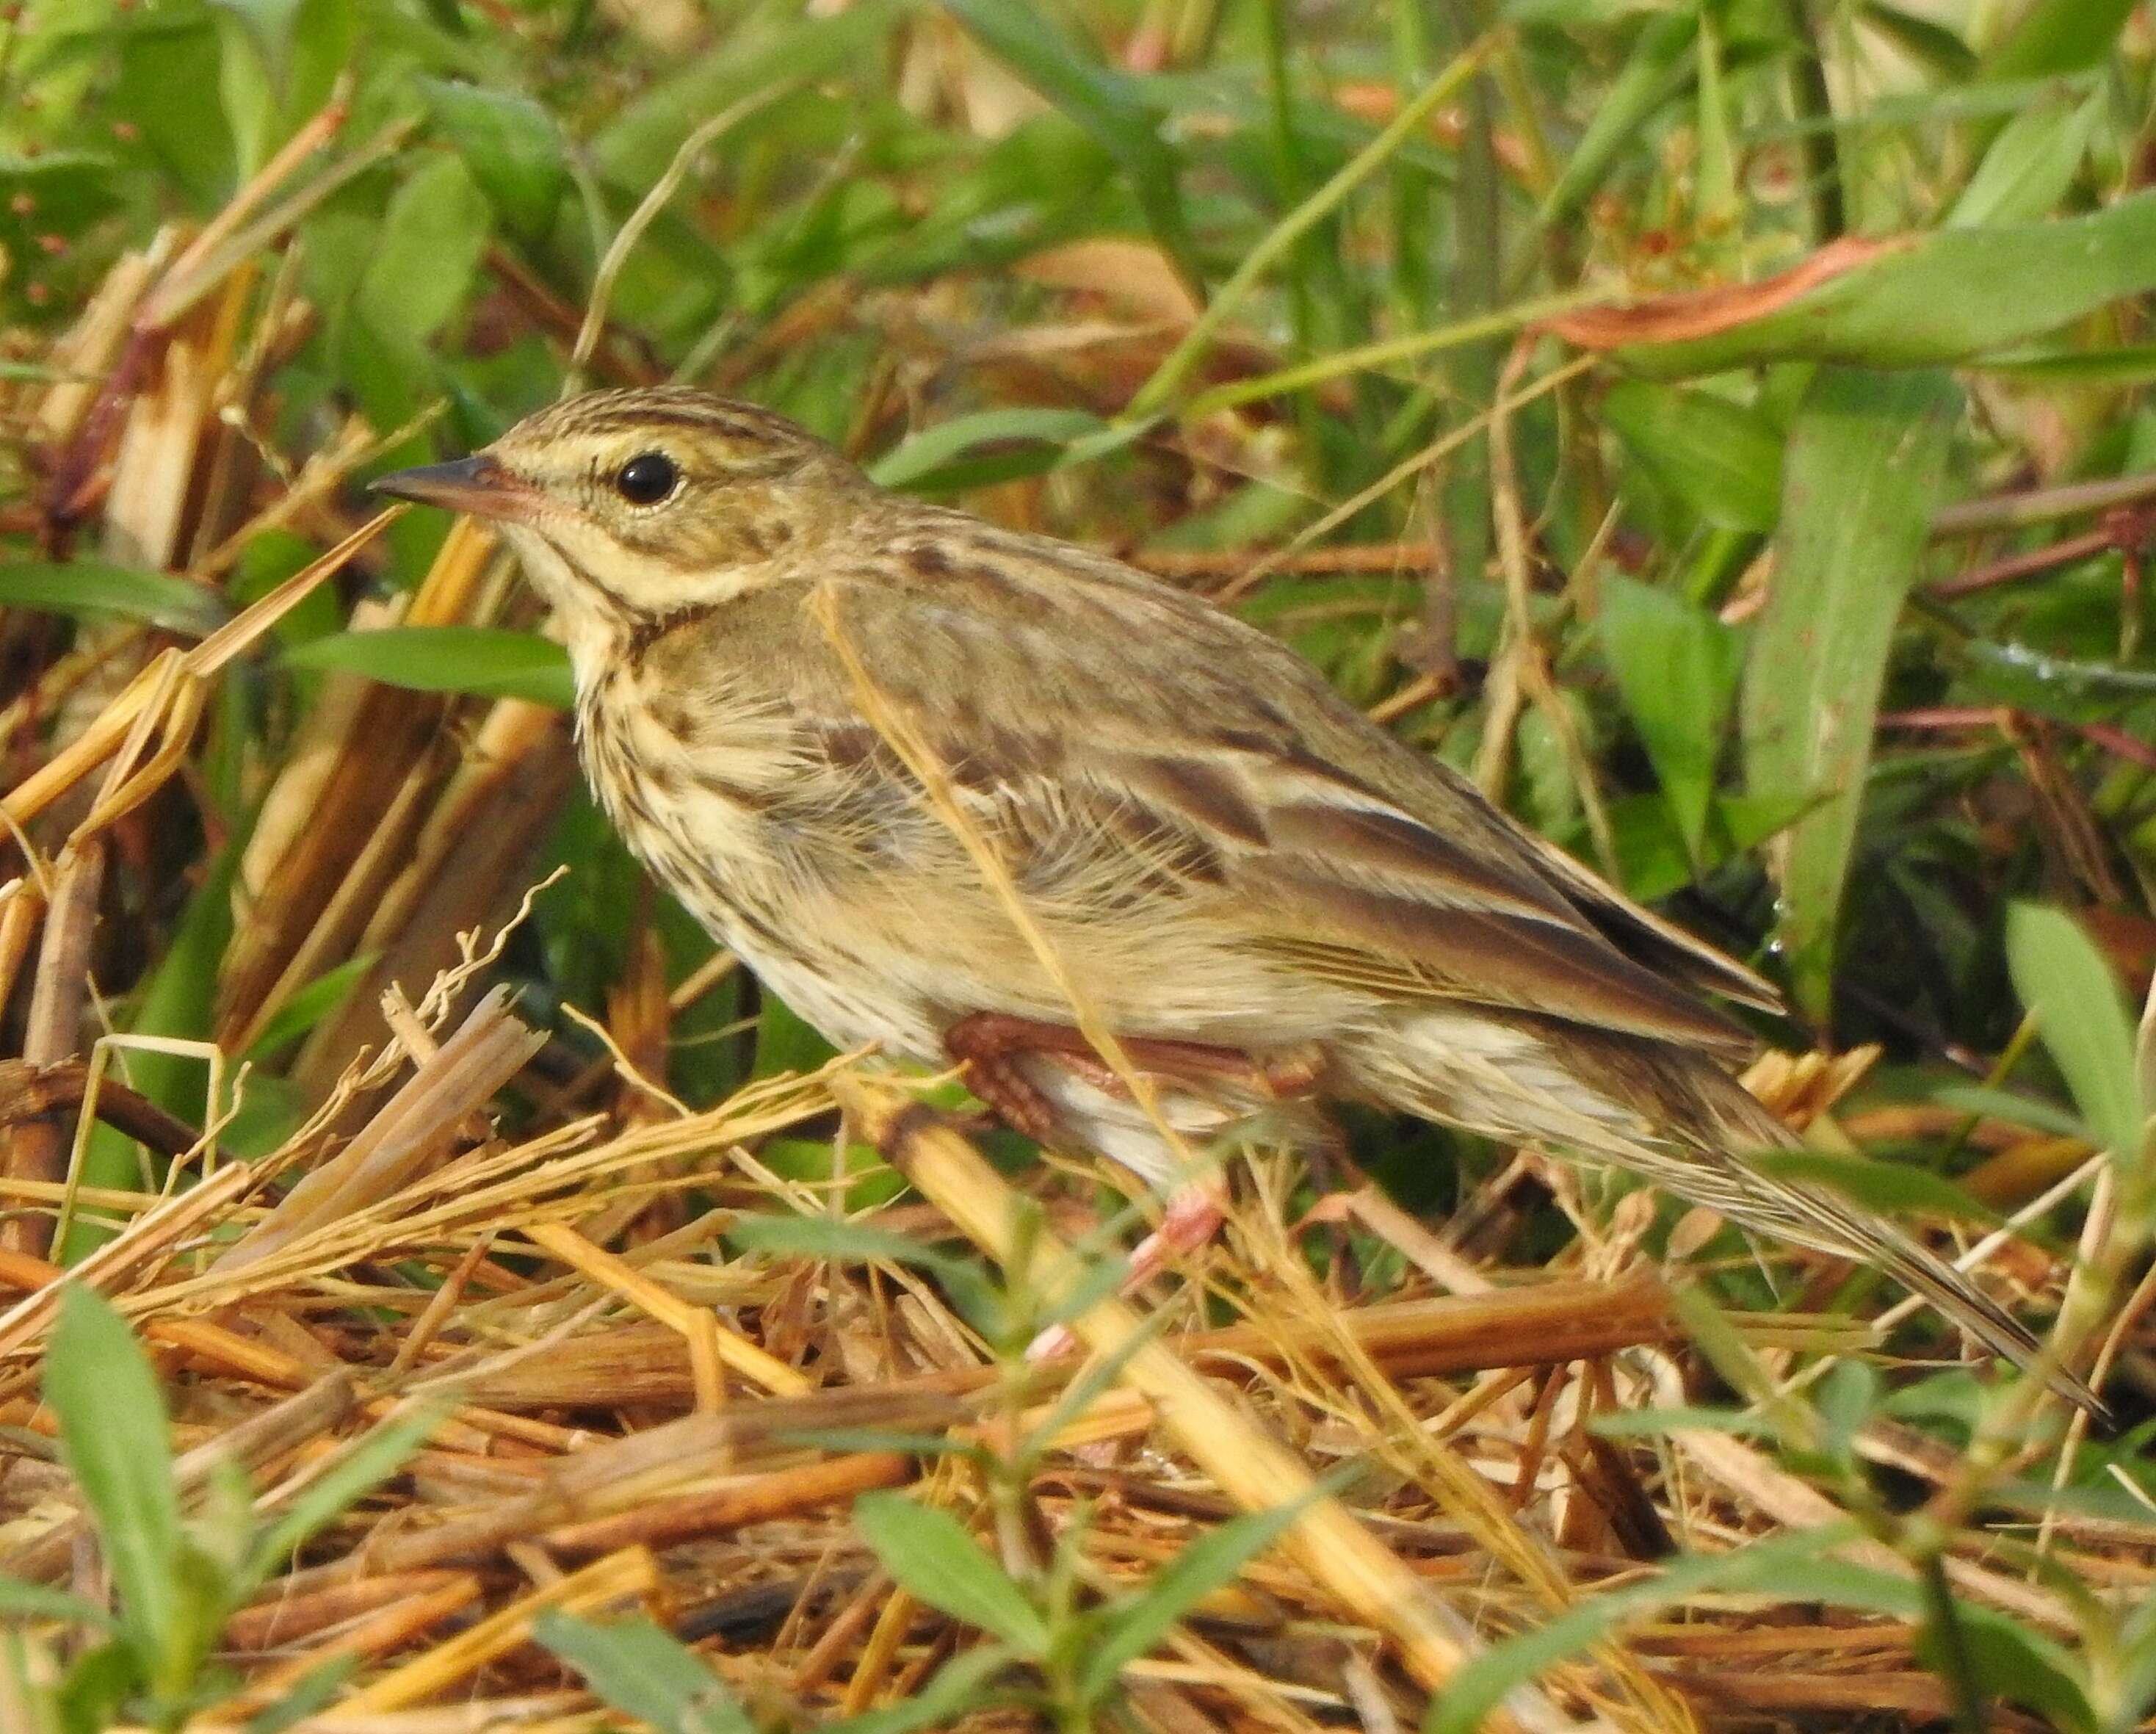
{"x":1811,"y":1216}
{"x":1678,"y":1121}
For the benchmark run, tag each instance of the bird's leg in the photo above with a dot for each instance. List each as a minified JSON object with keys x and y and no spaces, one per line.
{"x":987,"y":1046}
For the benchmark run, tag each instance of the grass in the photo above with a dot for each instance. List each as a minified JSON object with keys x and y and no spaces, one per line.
{"x":1722,"y":430}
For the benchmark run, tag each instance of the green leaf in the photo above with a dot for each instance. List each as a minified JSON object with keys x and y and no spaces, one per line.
{"x":1676,"y":668}
{"x":115,"y":1439}
{"x":956,"y":1689}
{"x":2010,"y":1663}
{"x":1865,"y":470}
{"x":311,"y":1004}
{"x":1721,"y":459}
{"x":822,"y":1237}
{"x":634,"y":149}
{"x":2070,"y":990}
{"x":1479,"y":1687}
{"x":1659,"y":66}
{"x":992,"y":445}
{"x":426,"y":253}
{"x":1948,"y":296}
{"x":1138,"y":1625}
{"x":1114,"y":108}
{"x":315,"y":1690}
{"x":2031,"y":163}
{"x":34,"y":1601}
{"x":512,"y":146}
{"x":489,"y":661}
{"x":2004,"y":1104}
{"x":933,"y":1557}
{"x":2053,"y":37}
{"x":1894,"y":1189}
{"x":1923,"y":39}
{"x":642,"y":1671}
{"x":91,"y":587}
{"x":366,"y":1463}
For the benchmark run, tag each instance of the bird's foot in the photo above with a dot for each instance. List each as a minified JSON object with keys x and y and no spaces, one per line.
{"x":1190,"y":1220}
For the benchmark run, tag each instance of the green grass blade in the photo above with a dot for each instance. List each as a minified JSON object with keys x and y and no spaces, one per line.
{"x":1866,"y":470}
{"x":2069,"y":988}
{"x":92,"y":587}
{"x":116,"y":1440}
{"x":486,"y":661}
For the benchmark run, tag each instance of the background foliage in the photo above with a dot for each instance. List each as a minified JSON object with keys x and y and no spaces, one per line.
{"x":1444,"y":337}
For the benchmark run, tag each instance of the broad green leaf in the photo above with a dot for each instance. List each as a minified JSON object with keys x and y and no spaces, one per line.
{"x":491,"y":662}
{"x":1676,"y":668}
{"x":1866,"y":471}
{"x":1721,"y":459}
{"x":634,"y":1667}
{"x":426,"y":253}
{"x":1112,"y":106}
{"x":512,"y":146}
{"x":116,"y":1440}
{"x":1940,"y":298}
{"x":2010,"y":1663}
{"x":91,"y":587}
{"x":1651,"y":852}
{"x":934,"y":1558}
{"x":2031,"y":163}
{"x":2068,"y":987}
{"x":991,"y":445}
{"x":1137,"y":1625}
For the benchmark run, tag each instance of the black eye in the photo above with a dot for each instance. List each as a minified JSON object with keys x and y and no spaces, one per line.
{"x":646,"y":478}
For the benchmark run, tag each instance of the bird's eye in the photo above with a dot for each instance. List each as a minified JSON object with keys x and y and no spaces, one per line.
{"x":646,"y":478}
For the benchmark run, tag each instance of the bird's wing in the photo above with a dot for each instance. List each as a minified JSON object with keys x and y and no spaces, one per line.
{"x":1121,"y":739}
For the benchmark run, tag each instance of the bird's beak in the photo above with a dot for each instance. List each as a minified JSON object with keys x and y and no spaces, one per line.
{"x":477,"y":484}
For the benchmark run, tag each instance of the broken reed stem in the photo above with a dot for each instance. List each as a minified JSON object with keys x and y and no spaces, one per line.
{"x":709,"y":1347}
{"x":114,"y":725}
{"x":1336,"y":1550}
{"x":37,"y":1149}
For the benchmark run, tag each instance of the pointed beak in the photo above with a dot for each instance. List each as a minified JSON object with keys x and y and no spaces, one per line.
{"x":477,"y":484}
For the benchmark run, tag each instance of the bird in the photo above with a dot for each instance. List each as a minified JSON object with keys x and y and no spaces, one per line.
{"x":974,"y":796}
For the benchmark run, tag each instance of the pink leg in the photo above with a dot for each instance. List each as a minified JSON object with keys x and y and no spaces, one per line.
{"x":1192,"y":1217}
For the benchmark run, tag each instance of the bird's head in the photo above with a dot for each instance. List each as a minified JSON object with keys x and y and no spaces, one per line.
{"x":631,"y":505}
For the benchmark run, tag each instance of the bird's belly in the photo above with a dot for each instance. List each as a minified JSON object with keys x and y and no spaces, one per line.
{"x":784,"y":930}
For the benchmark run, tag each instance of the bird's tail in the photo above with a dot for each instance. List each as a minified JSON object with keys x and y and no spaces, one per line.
{"x":1678,"y":1121}
{"x":1718,"y":1174}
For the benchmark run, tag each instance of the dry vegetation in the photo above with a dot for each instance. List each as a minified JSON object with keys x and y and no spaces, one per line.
{"x":528,"y":1324}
